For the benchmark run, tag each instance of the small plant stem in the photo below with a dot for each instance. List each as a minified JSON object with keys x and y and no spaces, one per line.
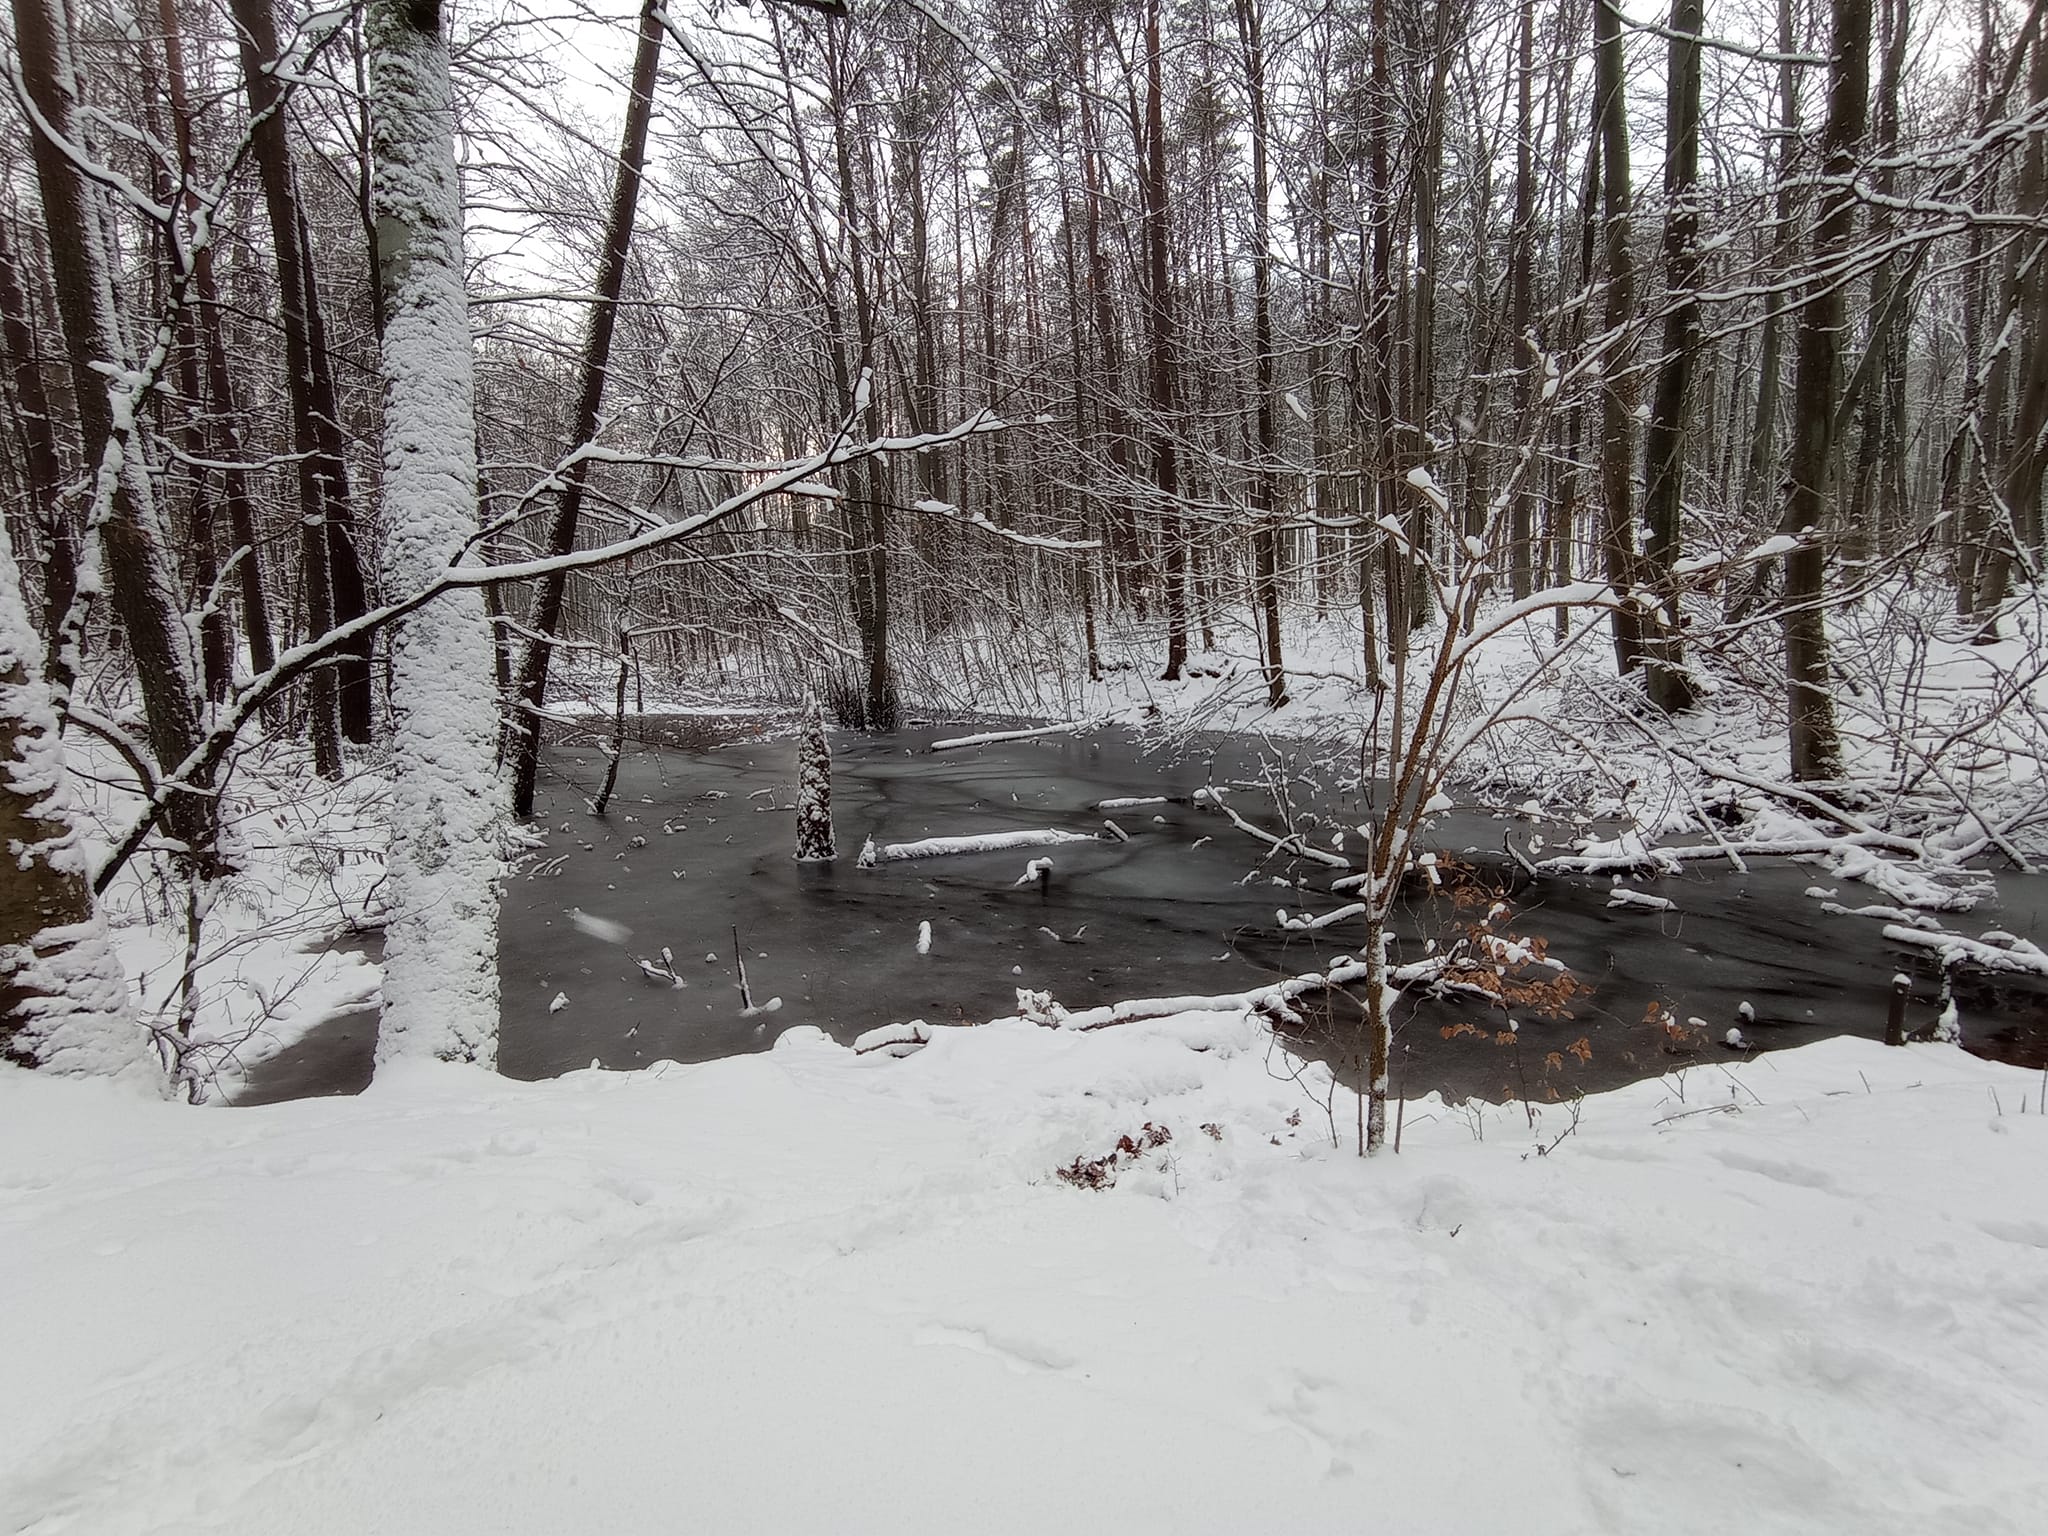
{"x":739,"y":962}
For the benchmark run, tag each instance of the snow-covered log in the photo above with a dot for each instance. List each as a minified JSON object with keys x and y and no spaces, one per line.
{"x":894,"y":1039}
{"x":872,"y":853}
{"x":1640,"y":901}
{"x":63,"y":1003}
{"x":992,"y":738}
{"x":1274,"y":1001}
{"x":1304,"y":923}
{"x":441,"y":945}
{"x":1952,"y":948}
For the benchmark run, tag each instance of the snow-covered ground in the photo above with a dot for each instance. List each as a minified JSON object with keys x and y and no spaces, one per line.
{"x":1930,"y":721}
{"x":817,"y":1292}
{"x":287,"y":938}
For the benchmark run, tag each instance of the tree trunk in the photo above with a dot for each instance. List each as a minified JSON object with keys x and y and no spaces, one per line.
{"x":256,"y":32}
{"x":814,"y":843}
{"x":1671,"y":686}
{"x":355,"y":699}
{"x":1756,"y":493}
{"x":216,"y":633}
{"x":45,"y":468}
{"x":546,"y":615}
{"x":867,"y":509}
{"x":1880,"y":376}
{"x":1521,"y":298}
{"x":1159,"y":301}
{"x":227,"y":441}
{"x":1814,"y":743}
{"x":1123,"y":534}
{"x":138,"y":568}
{"x":2019,"y":487}
{"x":1265,"y":578}
{"x":1618,"y":392}
{"x":441,"y":945}
{"x":63,"y":1003}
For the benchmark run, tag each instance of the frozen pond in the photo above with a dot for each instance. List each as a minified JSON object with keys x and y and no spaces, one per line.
{"x":697,"y":843}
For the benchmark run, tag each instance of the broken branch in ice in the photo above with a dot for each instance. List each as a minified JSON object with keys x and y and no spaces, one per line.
{"x":665,"y":970}
{"x":748,"y":1009}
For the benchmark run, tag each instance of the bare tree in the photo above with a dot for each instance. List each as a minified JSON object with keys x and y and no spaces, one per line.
{"x":1264,"y":492}
{"x":1671,"y":688}
{"x":546,"y":617}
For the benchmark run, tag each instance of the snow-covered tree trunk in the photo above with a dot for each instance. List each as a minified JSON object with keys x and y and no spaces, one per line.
{"x":814,"y":790}
{"x":63,"y":1004}
{"x":441,"y":944}
{"x":136,"y":567}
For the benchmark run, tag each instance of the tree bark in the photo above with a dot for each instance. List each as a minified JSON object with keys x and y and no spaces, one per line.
{"x":1618,"y":392}
{"x":441,"y":944}
{"x":256,"y":34}
{"x":45,"y":466}
{"x":137,"y":566}
{"x":1265,"y":577}
{"x":1521,"y":297}
{"x":216,"y":631}
{"x":1159,"y":302}
{"x":1671,"y":687}
{"x":1756,"y":491}
{"x":2017,"y":516}
{"x":868,"y":508}
{"x":63,"y":1002}
{"x":1813,"y":740}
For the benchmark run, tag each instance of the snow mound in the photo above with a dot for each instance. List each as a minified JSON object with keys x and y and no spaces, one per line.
{"x":1799,"y":1293}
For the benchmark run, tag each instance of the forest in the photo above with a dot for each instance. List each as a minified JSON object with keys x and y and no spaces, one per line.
{"x":912,"y":356}
{"x":1483,"y":560}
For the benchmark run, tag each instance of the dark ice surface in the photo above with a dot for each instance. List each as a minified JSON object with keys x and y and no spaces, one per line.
{"x":697,"y":843}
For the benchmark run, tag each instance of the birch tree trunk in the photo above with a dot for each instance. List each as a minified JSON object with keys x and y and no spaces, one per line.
{"x":441,"y":944}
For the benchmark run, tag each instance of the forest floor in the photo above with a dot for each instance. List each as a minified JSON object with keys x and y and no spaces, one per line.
{"x":809,"y":1291}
